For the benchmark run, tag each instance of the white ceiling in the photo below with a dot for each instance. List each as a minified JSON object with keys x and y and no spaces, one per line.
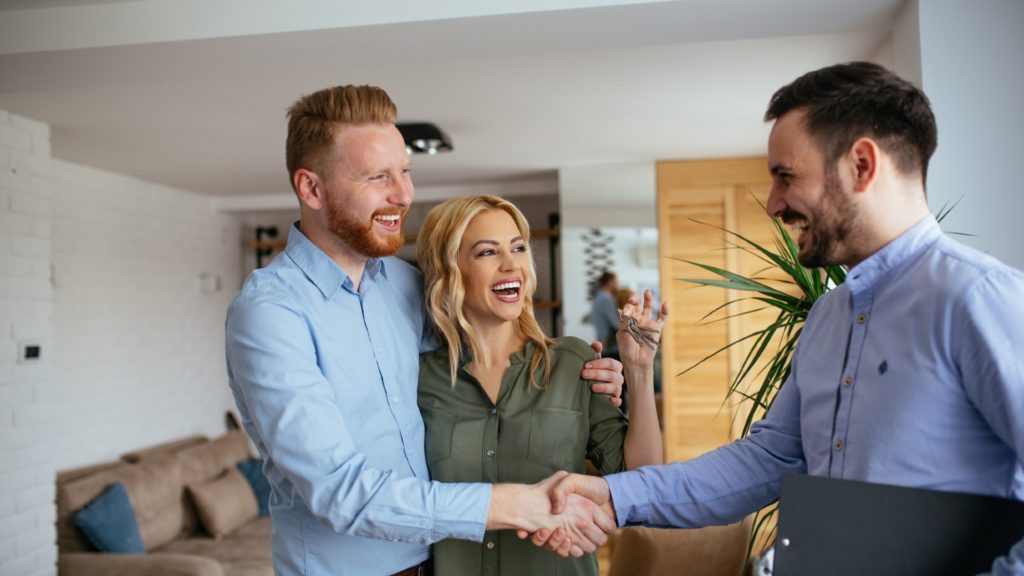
{"x":193,"y":93}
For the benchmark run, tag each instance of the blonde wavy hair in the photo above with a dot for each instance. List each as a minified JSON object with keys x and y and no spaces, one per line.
{"x":437,"y":249}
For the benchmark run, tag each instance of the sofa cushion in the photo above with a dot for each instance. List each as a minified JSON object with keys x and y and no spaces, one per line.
{"x":108,"y":522}
{"x":69,"y":502}
{"x":225,"y":503}
{"x":252,"y":470}
{"x":163,"y":448}
{"x":92,"y":564}
{"x":244,"y":552}
{"x":154,"y":487}
{"x":203,"y":462}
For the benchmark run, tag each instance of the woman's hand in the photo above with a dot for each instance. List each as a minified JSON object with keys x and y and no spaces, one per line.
{"x":638,"y":338}
{"x":639,"y":334}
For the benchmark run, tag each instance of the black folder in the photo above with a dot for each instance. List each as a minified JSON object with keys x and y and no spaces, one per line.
{"x":831,"y":527}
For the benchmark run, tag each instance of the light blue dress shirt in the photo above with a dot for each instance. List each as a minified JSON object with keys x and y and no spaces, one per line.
{"x":910,"y":373}
{"x":324,"y":378}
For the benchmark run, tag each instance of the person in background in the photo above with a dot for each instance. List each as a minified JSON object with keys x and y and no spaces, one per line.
{"x":322,"y":349}
{"x":909,"y":373}
{"x":604,"y":312}
{"x":501,"y":401}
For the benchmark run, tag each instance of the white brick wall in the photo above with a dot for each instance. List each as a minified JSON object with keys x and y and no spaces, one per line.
{"x":140,"y":348}
{"x":103,"y":271}
{"x":27,"y":408}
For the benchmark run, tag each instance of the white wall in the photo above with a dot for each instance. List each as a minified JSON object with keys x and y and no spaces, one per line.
{"x":970,"y":67}
{"x":618,"y":199}
{"x":27,"y":399}
{"x":138,"y":314}
{"x":905,"y":43}
{"x":608,"y":195}
{"x":102,"y":271}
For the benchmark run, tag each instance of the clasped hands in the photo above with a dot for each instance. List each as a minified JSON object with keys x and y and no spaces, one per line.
{"x":580,"y":516}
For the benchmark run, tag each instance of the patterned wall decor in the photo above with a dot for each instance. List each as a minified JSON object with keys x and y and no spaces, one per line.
{"x":598,"y":256}
{"x":586,"y":252}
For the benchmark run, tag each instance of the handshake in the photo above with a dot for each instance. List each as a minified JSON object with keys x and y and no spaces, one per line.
{"x":569,"y":514}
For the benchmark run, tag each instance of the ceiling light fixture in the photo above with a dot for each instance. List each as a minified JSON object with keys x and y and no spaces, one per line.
{"x":424,"y":138}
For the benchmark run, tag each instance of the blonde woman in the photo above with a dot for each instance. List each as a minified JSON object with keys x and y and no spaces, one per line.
{"x":501,"y":401}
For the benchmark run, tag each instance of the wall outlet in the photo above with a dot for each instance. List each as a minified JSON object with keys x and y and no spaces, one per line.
{"x":29,"y":352}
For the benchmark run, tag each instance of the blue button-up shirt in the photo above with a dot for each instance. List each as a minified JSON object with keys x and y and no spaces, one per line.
{"x":324,"y":378}
{"x":909,"y":373}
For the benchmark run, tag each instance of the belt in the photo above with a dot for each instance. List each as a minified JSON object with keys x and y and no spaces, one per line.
{"x":421,"y":570}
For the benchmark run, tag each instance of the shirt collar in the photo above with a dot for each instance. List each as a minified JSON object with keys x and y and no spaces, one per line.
{"x":518,"y":357}
{"x":894,"y":254}
{"x":321,"y":270}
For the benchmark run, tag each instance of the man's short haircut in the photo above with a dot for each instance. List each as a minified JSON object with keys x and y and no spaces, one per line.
{"x":315,"y":118}
{"x":850,"y":101}
{"x":605,"y":277}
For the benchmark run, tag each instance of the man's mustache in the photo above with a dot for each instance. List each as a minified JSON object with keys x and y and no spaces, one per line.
{"x":790,"y":216}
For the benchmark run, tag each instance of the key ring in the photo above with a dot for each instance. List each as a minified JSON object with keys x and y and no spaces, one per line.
{"x":648,"y":337}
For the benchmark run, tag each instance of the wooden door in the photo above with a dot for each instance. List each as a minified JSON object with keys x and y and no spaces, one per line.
{"x":696,"y":200}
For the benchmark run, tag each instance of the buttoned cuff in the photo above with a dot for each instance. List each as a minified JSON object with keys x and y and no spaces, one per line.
{"x":630,"y":497}
{"x":462,"y":513}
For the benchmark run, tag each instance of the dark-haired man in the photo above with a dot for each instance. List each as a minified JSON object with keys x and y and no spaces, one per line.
{"x":909,"y":373}
{"x":322,"y":356}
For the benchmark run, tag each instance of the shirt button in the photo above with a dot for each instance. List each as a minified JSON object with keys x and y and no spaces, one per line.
{"x":490,"y":453}
{"x":494,"y":411}
{"x":838,"y":445}
{"x":847,"y":382}
{"x":862,"y":318}
{"x":490,"y":545}
{"x":395,"y":399}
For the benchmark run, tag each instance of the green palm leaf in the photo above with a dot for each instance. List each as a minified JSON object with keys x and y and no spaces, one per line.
{"x":770,"y":364}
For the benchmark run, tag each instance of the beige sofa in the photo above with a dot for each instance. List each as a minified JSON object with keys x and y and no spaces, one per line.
{"x":164,"y":483}
{"x":710,"y":551}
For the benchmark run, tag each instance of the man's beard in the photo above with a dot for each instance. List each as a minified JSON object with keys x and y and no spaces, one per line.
{"x":830,"y":225}
{"x":359,"y":235}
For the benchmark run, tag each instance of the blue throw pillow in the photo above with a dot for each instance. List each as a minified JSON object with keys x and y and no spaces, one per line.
{"x":253,"y":472}
{"x":108,"y":522}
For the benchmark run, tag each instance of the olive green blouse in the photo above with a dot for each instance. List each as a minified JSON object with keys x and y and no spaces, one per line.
{"x":527,"y":436}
